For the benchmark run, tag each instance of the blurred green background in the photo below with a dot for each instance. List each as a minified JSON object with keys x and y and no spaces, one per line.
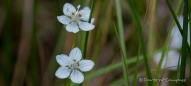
{"x":31,"y":37}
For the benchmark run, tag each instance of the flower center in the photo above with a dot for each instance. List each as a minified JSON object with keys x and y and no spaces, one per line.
{"x":75,"y":15}
{"x":74,"y":65}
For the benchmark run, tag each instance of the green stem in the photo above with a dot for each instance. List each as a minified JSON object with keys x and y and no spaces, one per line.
{"x":146,"y":12}
{"x":189,"y":10}
{"x":177,"y":22}
{"x":123,"y":57}
{"x":33,"y":74}
{"x":87,"y":33}
{"x":137,"y":66}
{"x":178,"y":68}
{"x":184,"y":42}
{"x":166,"y":43}
{"x":116,"y":65}
{"x":6,"y":45}
{"x":68,"y":81}
{"x":74,"y":41}
{"x":151,"y":33}
{"x":121,"y":41}
{"x":140,"y":31}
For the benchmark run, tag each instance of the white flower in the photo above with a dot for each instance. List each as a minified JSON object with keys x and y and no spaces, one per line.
{"x":72,"y":65}
{"x":75,"y":19}
{"x":170,"y":60}
{"x":176,"y":38}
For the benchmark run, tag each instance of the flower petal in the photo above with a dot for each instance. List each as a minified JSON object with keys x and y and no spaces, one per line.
{"x":63,"y":19}
{"x":157,"y":58}
{"x":62,"y":72}
{"x":68,"y":9}
{"x":86,"y":8}
{"x":86,"y":26}
{"x":85,"y":14}
{"x":72,"y":28}
{"x":62,"y":59}
{"x":76,"y":76}
{"x":76,"y":54}
{"x":92,"y":20}
{"x":172,"y":60}
{"x":86,"y":65}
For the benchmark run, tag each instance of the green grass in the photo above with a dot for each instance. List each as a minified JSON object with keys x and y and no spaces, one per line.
{"x":184,"y":42}
{"x":189,"y":7}
{"x":136,"y":68}
{"x":166,"y":43}
{"x":140,"y":32}
{"x":121,"y":41}
{"x":125,"y":69}
{"x":87,"y":33}
{"x":127,"y":35}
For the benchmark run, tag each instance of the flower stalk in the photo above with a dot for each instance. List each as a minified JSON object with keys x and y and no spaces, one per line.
{"x":184,"y":42}
{"x":122,"y":42}
{"x":87,"y":33}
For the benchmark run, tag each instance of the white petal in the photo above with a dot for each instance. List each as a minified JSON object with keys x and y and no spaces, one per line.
{"x":172,"y":60}
{"x":86,"y":65}
{"x":157,"y":58}
{"x":76,"y":76}
{"x":68,"y":9}
{"x":85,"y":14}
{"x":86,"y":26}
{"x":63,"y":19}
{"x":62,"y":72}
{"x":76,"y":54}
{"x":62,"y":59}
{"x":72,"y":28}
{"x":92,"y":20}
{"x":86,"y":8}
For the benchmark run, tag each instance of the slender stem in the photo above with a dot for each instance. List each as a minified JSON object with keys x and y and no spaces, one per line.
{"x":137,"y":65}
{"x":151,"y":32}
{"x":189,"y":11}
{"x":177,"y":23}
{"x":74,"y":41}
{"x":123,"y":57}
{"x":87,"y":33}
{"x":140,"y":31}
{"x":33,"y":54}
{"x":166,"y":44}
{"x":146,"y":12}
{"x":6,"y":46}
{"x":81,"y":40}
{"x":121,"y":41}
{"x":184,"y":42}
{"x":85,"y":44}
{"x":68,"y":81}
{"x":118,"y":65}
{"x":178,"y":68}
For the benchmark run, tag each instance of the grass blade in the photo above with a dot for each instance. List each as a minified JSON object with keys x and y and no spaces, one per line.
{"x":6,"y":43}
{"x":166,"y":44}
{"x":189,"y":10}
{"x":184,"y":42}
{"x":121,"y":40}
{"x":140,"y":31}
{"x":123,"y":58}
{"x":151,"y":27}
{"x":137,"y":66}
{"x":87,"y":33}
{"x":116,"y":65}
{"x":176,"y":20}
